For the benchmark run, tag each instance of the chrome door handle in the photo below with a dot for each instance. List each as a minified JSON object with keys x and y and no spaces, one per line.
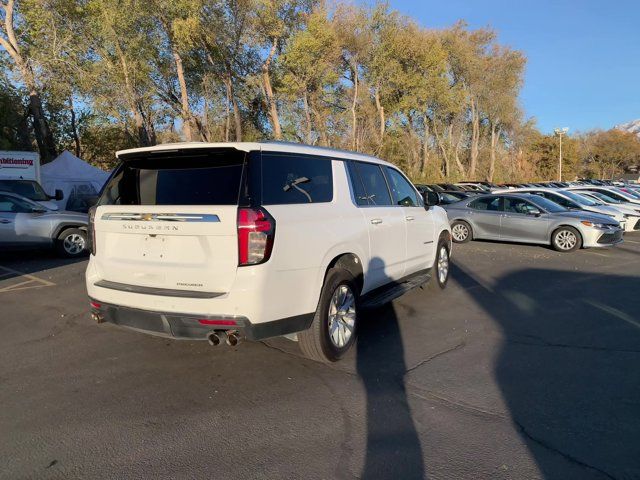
{"x":4,"y":220}
{"x":376,"y":221}
{"x":409,"y":218}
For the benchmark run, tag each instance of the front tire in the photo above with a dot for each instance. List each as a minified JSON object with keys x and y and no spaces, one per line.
{"x":461,"y":231}
{"x":335,"y":324}
{"x":72,"y":243}
{"x":441,"y":266}
{"x":566,"y":239}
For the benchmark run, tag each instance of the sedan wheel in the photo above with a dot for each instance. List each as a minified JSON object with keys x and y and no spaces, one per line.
{"x":461,"y":232}
{"x":566,"y":239}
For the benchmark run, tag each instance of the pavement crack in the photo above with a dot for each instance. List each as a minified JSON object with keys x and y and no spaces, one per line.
{"x":434,"y":356}
{"x":565,"y":455}
{"x":454,"y":405}
{"x":544,"y":343}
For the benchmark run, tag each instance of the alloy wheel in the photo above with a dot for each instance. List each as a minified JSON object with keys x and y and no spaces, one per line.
{"x":74,"y":244}
{"x":443,"y":264}
{"x":566,"y":240}
{"x":342,"y":316}
{"x":460,"y":232}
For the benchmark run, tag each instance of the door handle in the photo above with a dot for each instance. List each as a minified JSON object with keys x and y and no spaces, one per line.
{"x":376,"y":221}
{"x":4,"y":220}
{"x":409,"y":218}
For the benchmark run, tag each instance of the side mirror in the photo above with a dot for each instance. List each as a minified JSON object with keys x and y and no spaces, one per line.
{"x":535,"y":212}
{"x":59,"y":195}
{"x":431,"y":199}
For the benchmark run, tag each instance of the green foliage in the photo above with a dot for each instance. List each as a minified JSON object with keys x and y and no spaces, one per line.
{"x":443,"y":104}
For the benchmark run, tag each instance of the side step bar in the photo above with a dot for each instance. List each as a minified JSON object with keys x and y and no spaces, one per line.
{"x":387,"y":293}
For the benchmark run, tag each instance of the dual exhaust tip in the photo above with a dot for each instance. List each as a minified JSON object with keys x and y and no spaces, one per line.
{"x":230,"y":337}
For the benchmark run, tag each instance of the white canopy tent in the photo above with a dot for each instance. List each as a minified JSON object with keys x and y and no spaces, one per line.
{"x":73,"y":176}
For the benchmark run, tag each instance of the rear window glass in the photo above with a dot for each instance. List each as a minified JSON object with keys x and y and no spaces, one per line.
{"x":196,"y":178}
{"x":290,"y":178}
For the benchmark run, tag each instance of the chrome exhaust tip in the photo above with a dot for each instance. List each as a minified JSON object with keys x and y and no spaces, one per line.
{"x":233,"y":339}
{"x":96,"y":317}
{"x":214,"y":339}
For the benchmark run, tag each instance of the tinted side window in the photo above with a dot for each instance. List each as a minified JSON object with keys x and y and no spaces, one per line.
{"x":515,"y":205}
{"x":403,"y":192}
{"x":491,"y":204}
{"x":288,"y":179}
{"x":359,"y":193}
{"x":6,"y":205}
{"x":375,"y":185}
{"x":13,"y":205}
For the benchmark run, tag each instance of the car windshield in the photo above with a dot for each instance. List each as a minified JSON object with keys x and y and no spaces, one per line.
{"x":579,"y":199}
{"x":605,"y":198}
{"x":632,"y":193}
{"x":547,"y":205}
{"x":27,"y":188}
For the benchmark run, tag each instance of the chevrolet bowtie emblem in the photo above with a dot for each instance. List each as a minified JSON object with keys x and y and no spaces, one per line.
{"x":147,"y":217}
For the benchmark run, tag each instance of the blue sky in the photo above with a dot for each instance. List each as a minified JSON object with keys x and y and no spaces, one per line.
{"x":583,"y":67}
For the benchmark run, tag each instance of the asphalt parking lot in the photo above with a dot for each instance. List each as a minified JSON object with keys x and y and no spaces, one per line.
{"x":527,"y":366}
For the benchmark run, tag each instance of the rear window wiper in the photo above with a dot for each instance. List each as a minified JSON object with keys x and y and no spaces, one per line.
{"x":294,"y":184}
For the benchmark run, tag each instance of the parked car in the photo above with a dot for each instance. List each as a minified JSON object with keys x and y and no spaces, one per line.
{"x":32,"y":190}
{"x":530,"y":219}
{"x":611,"y":192}
{"x":27,"y":224}
{"x":256,"y":240}
{"x":631,"y":210}
{"x":452,"y":196}
{"x":573,"y":201}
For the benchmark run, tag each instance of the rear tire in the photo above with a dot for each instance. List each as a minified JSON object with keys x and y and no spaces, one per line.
{"x":461,"y":231}
{"x":566,"y":239}
{"x":72,"y":243}
{"x":335,"y":324}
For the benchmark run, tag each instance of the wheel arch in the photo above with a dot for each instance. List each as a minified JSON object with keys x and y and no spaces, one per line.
{"x":351,"y":263}
{"x":61,"y":227}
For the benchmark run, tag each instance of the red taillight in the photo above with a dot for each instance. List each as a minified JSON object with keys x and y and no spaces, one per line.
{"x":226,"y":323}
{"x":95,"y":305}
{"x":256,"y":232}
{"x":92,"y":229}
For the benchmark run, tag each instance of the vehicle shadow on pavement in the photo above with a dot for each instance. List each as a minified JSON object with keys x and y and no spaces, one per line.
{"x":568,"y":368}
{"x":18,"y":262}
{"x":393,"y":445}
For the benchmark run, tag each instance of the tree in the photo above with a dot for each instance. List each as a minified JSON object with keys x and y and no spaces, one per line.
{"x":311,"y":63}
{"x":275,"y":21}
{"x":607,"y":153}
{"x":20,"y":47}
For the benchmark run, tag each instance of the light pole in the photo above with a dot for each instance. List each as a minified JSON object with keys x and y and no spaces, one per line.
{"x":560,"y":132}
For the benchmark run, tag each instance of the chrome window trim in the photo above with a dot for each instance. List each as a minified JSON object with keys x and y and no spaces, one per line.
{"x":161,"y":217}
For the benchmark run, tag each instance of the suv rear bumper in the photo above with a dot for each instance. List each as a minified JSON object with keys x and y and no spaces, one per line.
{"x":192,"y":327}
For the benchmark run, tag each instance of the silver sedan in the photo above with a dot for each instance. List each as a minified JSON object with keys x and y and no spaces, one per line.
{"x":530,"y":219}
{"x":27,"y":224}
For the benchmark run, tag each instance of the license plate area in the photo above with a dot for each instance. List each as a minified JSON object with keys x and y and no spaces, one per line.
{"x":154,"y":247}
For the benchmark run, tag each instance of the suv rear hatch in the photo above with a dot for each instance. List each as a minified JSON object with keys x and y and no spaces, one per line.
{"x":166,"y":222}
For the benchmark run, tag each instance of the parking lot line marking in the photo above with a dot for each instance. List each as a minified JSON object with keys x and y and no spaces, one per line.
{"x":614,"y":312}
{"x":31,"y":281}
{"x":632,"y":241}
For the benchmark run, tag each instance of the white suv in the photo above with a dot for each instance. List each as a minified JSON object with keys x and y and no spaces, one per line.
{"x":222,"y":241}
